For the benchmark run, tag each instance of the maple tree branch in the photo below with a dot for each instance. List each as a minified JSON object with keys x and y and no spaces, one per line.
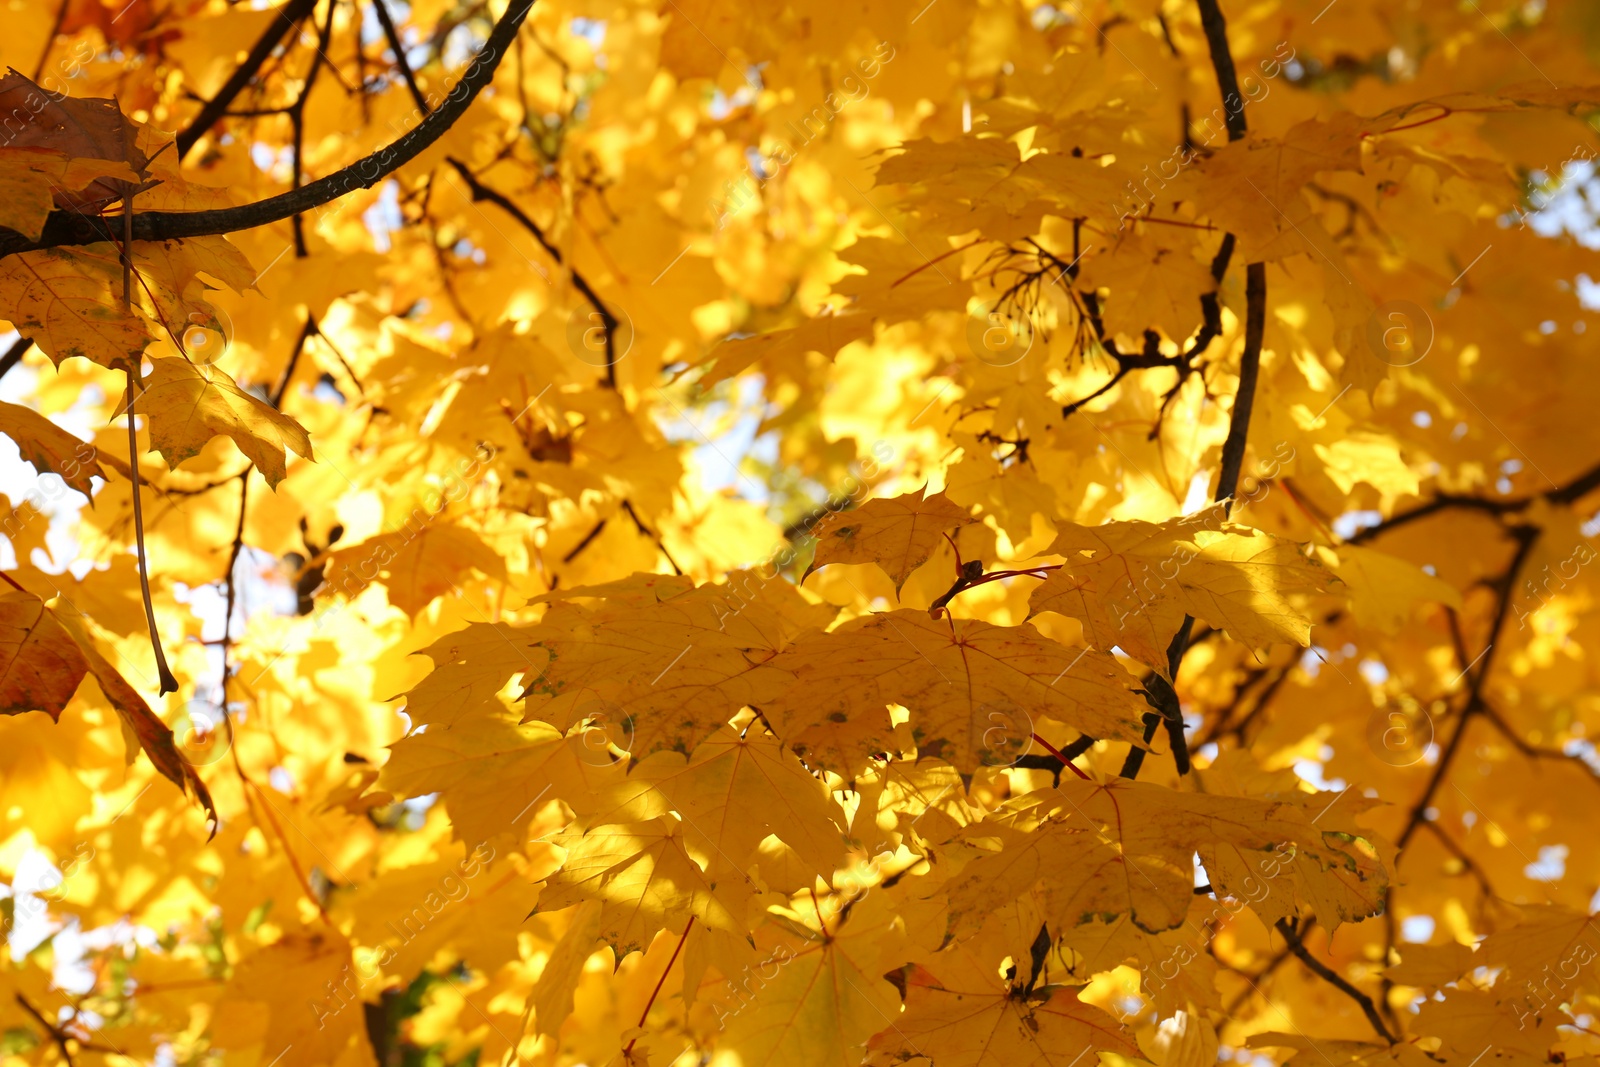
{"x":1065,"y":760}
{"x":583,"y":544}
{"x":14,"y":354}
{"x":392,"y":34}
{"x":58,"y":1036}
{"x":1528,"y":748}
{"x":1250,"y":989}
{"x":1249,"y":371}
{"x":1471,"y":866}
{"x":289,"y":16}
{"x":297,"y":123}
{"x":50,"y":38}
{"x":1335,"y":979}
{"x":1122,"y":372}
{"x":480,"y":191}
{"x":1216,"y":30}
{"x":1527,"y":537}
{"x":1237,"y":730}
{"x":1571,"y":493}
{"x":1158,"y":691}
{"x":1058,"y":761}
{"x":237,"y":548}
{"x":627,"y":505}
{"x":232,"y":583}
{"x":65,"y":228}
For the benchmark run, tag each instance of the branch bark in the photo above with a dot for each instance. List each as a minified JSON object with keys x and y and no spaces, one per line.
{"x":70,"y":228}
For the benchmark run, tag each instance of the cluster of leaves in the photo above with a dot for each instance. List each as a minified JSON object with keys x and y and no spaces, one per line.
{"x":970,"y":534}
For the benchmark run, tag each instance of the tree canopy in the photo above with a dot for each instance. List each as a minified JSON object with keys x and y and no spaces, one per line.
{"x":976,"y":533}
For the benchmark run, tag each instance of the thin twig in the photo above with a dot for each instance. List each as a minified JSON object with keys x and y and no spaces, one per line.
{"x":289,"y":16}
{"x":1333,"y":978}
{"x":399,"y":49}
{"x":608,"y":321}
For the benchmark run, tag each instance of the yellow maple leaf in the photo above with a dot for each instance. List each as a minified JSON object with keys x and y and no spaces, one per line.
{"x":468,"y":765}
{"x":188,"y":405}
{"x":50,"y":448}
{"x":974,"y":689}
{"x":978,"y":1023}
{"x":418,"y":563}
{"x":1153,"y":285}
{"x":70,"y":303}
{"x":310,"y":993}
{"x":732,"y":791}
{"x":897,"y":533}
{"x":1130,"y":583}
{"x":645,"y":881}
{"x":825,"y":998}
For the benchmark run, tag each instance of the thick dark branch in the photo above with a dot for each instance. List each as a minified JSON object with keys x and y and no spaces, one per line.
{"x":289,"y":16}
{"x":71,"y":228}
{"x":1255,"y":323}
{"x":1210,"y":303}
{"x":1216,"y":28}
{"x":1577,"y":489}
{"x":1167,"y":711}
{"x":1333,"y":978}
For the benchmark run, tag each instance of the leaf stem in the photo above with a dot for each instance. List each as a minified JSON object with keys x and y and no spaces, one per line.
{"x":1065,"y":762}
{"x":661,"y":982}
{"x":169,"y":684}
